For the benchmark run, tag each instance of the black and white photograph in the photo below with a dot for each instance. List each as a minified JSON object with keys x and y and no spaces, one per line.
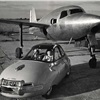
{"x":49,"y":49}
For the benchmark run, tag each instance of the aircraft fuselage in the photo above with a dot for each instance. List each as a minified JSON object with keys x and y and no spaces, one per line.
{"x":69,"y":22}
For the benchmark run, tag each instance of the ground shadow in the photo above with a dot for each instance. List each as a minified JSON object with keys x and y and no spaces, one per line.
{"x":82,"y":79}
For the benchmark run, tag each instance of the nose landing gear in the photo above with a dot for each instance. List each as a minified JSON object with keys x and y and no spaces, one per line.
{"x":92,"y":42}
{"x":93,"y":60}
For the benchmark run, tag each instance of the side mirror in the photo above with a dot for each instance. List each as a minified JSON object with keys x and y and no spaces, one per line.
{"x":18,"y":52}
{"x":53,"y":21}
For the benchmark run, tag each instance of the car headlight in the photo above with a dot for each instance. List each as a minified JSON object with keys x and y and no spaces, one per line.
{"x":20,"y":83}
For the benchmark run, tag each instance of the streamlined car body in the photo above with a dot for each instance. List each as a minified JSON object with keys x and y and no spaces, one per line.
{"x":45,"y":65}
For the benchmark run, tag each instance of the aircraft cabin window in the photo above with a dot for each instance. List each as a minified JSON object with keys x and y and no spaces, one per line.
{"x":72,"y":11}
{"x":63,"y":14}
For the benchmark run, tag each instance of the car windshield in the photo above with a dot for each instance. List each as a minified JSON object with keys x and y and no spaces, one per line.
{"x":39,"y":54}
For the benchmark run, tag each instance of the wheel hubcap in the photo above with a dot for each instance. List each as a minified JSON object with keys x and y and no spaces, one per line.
{"x":49,"y":91}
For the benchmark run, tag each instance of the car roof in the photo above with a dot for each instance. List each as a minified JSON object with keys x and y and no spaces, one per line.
{"x":45,"y":45}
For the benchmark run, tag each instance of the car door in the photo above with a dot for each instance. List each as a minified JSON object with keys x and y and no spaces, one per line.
{"x":65,"y":58}
{"x":59,"y":65}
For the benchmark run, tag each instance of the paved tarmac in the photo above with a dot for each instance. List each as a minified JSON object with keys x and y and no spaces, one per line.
{"x":82,"y":84}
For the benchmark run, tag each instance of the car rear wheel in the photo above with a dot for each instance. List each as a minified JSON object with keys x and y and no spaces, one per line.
{"x":68,"y":72}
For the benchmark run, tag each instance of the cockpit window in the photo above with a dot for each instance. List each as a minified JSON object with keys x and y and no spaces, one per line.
{"x":63,"y":14}
{"x":73,"y":11}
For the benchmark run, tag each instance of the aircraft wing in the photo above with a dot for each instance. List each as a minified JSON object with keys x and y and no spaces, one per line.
{"x":40,"y":25}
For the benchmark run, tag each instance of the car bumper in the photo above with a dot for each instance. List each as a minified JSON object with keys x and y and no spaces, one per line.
{"x":19,"y":92}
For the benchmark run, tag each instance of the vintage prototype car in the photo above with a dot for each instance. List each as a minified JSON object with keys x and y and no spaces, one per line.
{"x":44,"y":66}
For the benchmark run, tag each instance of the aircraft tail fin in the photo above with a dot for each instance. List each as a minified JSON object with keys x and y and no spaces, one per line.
{"x":33,"y":15}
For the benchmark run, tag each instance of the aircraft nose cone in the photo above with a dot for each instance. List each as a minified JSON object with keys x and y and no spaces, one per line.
{"x":95,"y":23}
{"x":91,"y":19}
{"x":91,"y":22}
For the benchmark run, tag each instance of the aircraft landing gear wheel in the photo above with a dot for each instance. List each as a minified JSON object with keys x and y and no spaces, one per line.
{"x":93,"y":62}
{"x":18,"y":52}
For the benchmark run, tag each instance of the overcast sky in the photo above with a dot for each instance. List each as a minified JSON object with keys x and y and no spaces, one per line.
{"x":20,"y":9}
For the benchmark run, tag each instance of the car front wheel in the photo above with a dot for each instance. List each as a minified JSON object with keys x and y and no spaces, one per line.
{"x":48,"y":93}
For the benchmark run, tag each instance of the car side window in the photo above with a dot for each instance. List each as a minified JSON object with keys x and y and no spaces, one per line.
{"x":61,"y":51}
{"x":57,"y":54}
